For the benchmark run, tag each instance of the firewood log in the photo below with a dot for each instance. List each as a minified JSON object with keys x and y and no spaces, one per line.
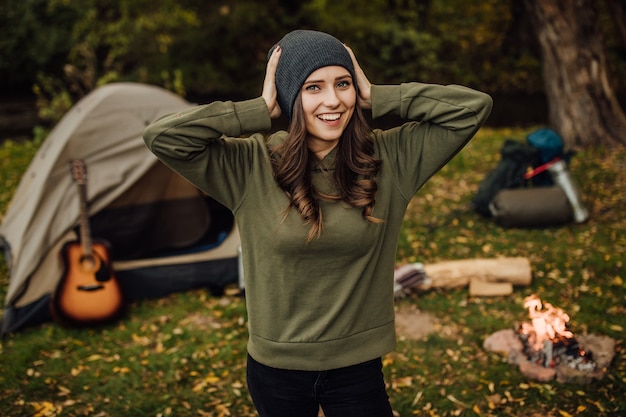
{"x":480,"y":288}
{"x":459,"y":273}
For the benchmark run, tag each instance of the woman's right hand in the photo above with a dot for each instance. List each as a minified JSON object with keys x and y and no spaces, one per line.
{"x":269,"y":84}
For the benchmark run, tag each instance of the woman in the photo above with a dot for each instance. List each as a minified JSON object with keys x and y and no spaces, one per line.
{"x":319,"y":209}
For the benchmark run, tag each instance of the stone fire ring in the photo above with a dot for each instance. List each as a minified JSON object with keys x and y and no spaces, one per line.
{"x":507,"y":342}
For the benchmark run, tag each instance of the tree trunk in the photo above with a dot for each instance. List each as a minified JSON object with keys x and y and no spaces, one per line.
{"x":582,"y":104}
{"x":617,"y":8}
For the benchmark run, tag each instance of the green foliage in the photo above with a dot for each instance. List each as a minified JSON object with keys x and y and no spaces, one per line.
{"x":115,"y":41}
{"x":443,"y":42}
{"x":14,"y":159}
{"x":184,"y":355}
{"x":33,"y":35}
{"x":201,"y":48}
{"x":226,"y":55}
{"x":205,"y":50}
{"x":220,"y":49}
{"x":53,"y":99}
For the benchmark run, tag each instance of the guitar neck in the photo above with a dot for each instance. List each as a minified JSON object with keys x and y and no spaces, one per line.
{"x":79,"y":174}
{"x":85,"y":232}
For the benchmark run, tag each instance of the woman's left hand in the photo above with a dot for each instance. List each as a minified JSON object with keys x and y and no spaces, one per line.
{"x":363,"y":84}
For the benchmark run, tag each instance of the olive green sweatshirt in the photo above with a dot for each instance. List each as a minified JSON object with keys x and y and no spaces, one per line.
{"x":328,"y":304}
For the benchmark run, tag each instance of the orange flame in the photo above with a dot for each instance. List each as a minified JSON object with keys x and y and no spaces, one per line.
{"x":548,"y":324}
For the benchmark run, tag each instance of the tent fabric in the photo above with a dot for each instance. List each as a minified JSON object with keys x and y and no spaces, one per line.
{"x":131,"y":196}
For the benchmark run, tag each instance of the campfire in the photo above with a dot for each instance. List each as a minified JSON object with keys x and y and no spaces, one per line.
{"x":545,"y":348}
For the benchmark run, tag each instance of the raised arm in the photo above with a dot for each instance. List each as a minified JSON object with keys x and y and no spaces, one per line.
{"x":440,"y":121}
{"x":452,"y":107}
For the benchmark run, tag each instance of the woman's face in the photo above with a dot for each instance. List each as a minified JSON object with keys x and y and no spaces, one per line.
{"x":328,"y":100}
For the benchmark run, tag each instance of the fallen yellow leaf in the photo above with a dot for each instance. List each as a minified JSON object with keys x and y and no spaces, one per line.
{"x":456,"y":401}
{"x":45,"y":409}
{"x":199,"y":386}
{"x":212,"y":379}
{"x":142,"y":340}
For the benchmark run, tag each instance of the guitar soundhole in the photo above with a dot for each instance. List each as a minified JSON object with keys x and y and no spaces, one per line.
{"x":88,"y":262}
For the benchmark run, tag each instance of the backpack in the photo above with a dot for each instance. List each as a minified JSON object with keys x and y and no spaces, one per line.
{"x":549,"y":146}
{"x":516,"y":157}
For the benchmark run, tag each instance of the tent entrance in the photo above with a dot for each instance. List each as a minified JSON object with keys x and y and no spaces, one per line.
{"x":166,"y":236}
{"x":162,"y":228}
{"x":160,"y":215}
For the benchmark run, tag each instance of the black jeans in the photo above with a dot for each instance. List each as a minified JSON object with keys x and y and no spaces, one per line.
{"x":353,"y":391}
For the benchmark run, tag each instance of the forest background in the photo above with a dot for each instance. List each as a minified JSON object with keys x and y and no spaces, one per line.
{"x":53,"y":52}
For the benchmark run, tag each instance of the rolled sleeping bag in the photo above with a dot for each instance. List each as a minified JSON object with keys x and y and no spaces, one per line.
{"x":531,"y":207}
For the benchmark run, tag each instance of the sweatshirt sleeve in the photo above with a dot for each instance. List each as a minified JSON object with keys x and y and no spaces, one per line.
{"x":440,"y":120}
{"x":204,"y":145}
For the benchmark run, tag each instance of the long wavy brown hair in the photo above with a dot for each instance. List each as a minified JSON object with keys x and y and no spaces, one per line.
{"x":354,"y":175}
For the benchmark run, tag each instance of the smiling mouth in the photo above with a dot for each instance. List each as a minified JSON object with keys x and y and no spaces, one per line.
{"x":329,"y":117}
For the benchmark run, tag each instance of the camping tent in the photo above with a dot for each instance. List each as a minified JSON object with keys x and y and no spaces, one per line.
{"x":165,"y":236}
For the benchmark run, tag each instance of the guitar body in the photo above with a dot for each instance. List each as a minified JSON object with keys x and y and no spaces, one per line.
{"x":88,"y":292}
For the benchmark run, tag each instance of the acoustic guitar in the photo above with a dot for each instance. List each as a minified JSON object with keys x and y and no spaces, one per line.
{"x":88,"y":291}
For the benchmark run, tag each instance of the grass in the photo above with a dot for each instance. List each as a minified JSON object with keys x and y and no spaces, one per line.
{"x":184,"y":355}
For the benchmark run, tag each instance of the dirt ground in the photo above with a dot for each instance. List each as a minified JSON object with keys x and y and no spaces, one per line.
{"x":412,"y":323}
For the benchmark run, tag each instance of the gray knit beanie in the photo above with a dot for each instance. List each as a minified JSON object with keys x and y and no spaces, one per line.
{"x":304,"y":51}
